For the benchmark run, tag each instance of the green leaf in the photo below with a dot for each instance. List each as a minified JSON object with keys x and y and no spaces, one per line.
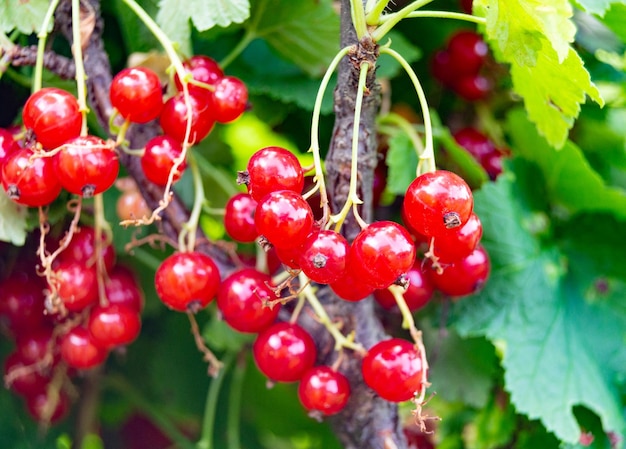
{"x":137,"y":37}
{"x":304,"y":32}
{"x":13,"y":226}
{"x":598,"y":7}
{"x":24,"y":15}
{"x":204,"y":14}
{"x":402,"y":163}
{"x":388,"y":67}
{"x":494,"y":425}
{"x":614,"y":19}
{"x":558,"y":350}
{"x":570,"y":180}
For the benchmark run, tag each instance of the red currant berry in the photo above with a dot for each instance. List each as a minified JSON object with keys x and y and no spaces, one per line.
{"x":131,"y":205}
{"x":137,"y":94}
{"x":441,"y":70}
{"x":31,"y":182}
{"x":8,"y":146}
{"x":492,"y":163}
{"x":23,"y":380}
{"x":76,"y":284}
{"x":476,"y":143}
{"x":187,"y":282}
{"x":393,"y":369}
{"x":229,"y":99}
{"x":459,"y":242}
{"x":289,"y":257}
{"x":79,"y":350}
{"x":381,"y":253}
{"x":418,"y":293}
{"x":284,"y":352}
{"x":174,"y":118}
{"x":121,"y":287}
{"x":323,"y":390}
{"x":36,"y":345}
{"x":284,"y":218}
{"x":114,"y":325}
{"x":465,"y":276}
{"x":86,"y":166}
{"x":48,"y":409}
{"x":158,"y":159}
{"x":82,"y":249}
{"x":271,"y":169}
{"x":241,"y":297}
{"x":239,"y":218}
{"x":203,"y":69}
{"x":323,"y":256}
{"x":351,"y":286}
{"x":53,"y":115}
{"x":437,"y":201}
{"x":468,"y":52}
{"x":473,"y":87}
{"x":21,"y":304}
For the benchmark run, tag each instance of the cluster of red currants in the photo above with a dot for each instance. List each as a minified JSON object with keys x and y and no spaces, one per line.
{"x":51,"y":347}
{"x":458,"y":66}
{"x":482,"y":149}
{"x":137,"y":95}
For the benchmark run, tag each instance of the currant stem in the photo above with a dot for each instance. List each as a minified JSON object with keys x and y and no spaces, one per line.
{"x":101,"y":227}
{"x":42,"y":36}
{"x":235,"y":395}
{"x":358,"y":18}
{"x":187,"y":236}
{"x":443,"y":15}
{"x":391,"y":20}
{"x":81,"y":77}
{"x":341,"y":341}
{"x":353,"y":197}
{"x":427,"y":158}
{"x":374,"y":10}
{"x":315,"y":121}
{"x":407,"y":127}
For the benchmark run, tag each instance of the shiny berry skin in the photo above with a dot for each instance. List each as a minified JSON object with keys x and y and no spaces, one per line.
{"x":82,"y":249}
{"x":468,"y":52}
{"x":457,"y":243}
{"x":28,"y":382}
{"x":417,"y":295}
{"x":284,"y":218}
{"x":137,"y":94}
{"x":8,"y":146}
{"x":239,"y":218}
{"x":465,"y":276}
{"x":86,"y":166}
{"x":240,"y":300}
{"x":229,"y":99}
{"x":203,"y":69}
{"x":323,"y":390}
{"x":39,"y":406}
{"x":79,"y":350}
{"x":121,"y":287}
{"x":393,"y":369}
{"x":324,"y":256}
{"x":114,"y":325}
{"x":289,"y":257}
{"x":473,"y":87}
{"x":76,"y":284}
{"x":284,"y":352}
{"x":131,"y":205}
{"x":158,"y":159}
{"x":31,"y":183}
{"x":437,"y":201}
{"x":476,"y":143}
{"x":381,"y":253}
{"x":174,"y":118}
{"x":36,"y":345}
{"x":351,"y":286}
{"x":21,"y":304}
{"x":53,"y":115}
{"x":271,"y":169}
{"x":187,"y":282}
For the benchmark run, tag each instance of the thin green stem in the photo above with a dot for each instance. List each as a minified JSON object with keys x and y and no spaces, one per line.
{"x":147,"y":259}
{"x":234,"y":403}
{"x":81,"y":77}
{"x":315,"y":121}
{"x":353,"y":196}
{"x":41,"y":45}
{"x":187,"y":236}
{"x":151,"y":410}
{"x":373,"y":11}
{"x":427,"y":158}
{"x":392,"y":20}
{"x":209,"y":170}
{"x":210,"y":407}
{"x":407,"y":127}
{"x":358,"y":18}
{"x":239,"y":48}
{"x":442,"y":15}
{"x":101,"y":228}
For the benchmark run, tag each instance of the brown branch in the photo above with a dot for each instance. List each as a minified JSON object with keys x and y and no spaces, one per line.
{"x":61,"y":66}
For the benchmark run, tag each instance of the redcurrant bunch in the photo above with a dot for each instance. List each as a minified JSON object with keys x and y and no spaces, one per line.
{"x":482,"y":149}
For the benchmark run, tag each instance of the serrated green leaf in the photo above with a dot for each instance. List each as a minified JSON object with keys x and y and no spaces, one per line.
{"x":13,"y":226}
{"x":570,"y":180}
{"x":531,"y":309}
{"x":402,"y":162}
{"x":24,"y":16}
{"x":303,"y":32}
{"x":615,"y":18}
{"x":598,"y":7}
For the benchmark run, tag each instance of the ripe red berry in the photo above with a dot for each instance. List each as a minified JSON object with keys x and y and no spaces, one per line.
{"x":465,"y":276}
{"x":187,"y":282}
{"x":457,"y":243}
{"x":468,"y":52}
{"x":26,"y":382}
{"x":284,"y":218}
{"x":393,"y":369}
{"x":31,"y":182}
{"x":21,"y":304}
{"x":121,"y":287}
{"x":53,"y":115}
{"x":323,"y":390}
{"x":324,"y":256}
{"x":79,"y":350}
{"x":437,"y":201}
{"x":473,"y":87}
{"x":76,"y":284}
{"x":441,"y":68}
{"x":229,"y":99}
{"x":240,"y":300}
{"x":8,"y":146}
{"x":48,"y":409}
{"x":351,"y":286}
{"x":284,"y":352}
{"x":158,"y":159}
{"x":381,"y":253}
{"x":36,"y":345}
{"x":114,"y":325}
{"x":418,"y":293}
{"x":476,"y":143}
{"x":82,"y":249}
{"x":174,"y":118}
{"x":203,"y":69}
{"x":271,"y":169}
{"x":86,"y":166}
{"x":137,"y":94}
{"x":239,"y":218}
